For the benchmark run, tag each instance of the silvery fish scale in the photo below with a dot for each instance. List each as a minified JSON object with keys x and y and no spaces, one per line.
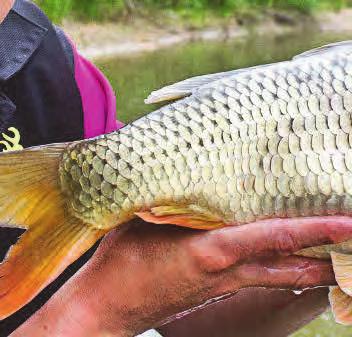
{"x":264,"y":142}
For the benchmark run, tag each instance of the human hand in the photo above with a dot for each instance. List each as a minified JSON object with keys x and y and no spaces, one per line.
{"x":142,"y":274}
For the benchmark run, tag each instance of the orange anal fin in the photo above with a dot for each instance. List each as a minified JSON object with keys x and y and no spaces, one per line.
{"x":191,"y":216}
{"x":41,"y":254}
{"x":341,"y":305}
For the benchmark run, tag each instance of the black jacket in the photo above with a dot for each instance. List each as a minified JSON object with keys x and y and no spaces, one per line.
{"x":39,"y":94}
{"x":39,"y":104}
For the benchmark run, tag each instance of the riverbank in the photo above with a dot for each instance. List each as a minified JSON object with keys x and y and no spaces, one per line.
{"x":138,"y":35}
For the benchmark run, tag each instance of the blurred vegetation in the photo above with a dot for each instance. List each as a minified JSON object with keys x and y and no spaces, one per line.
{"x":102,"y":10}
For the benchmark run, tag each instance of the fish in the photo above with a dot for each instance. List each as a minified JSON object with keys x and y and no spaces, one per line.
{"x":267,"y":142}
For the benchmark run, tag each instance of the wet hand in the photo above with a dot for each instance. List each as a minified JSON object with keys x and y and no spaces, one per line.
{"x":144,"y":274}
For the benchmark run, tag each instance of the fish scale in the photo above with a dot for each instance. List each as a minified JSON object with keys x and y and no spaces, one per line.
{"x":287,"y":130}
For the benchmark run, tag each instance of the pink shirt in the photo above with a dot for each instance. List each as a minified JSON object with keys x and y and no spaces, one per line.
{"x":98,"y":98}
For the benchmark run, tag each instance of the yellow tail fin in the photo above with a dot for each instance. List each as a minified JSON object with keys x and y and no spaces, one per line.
{"x":30,"y":198}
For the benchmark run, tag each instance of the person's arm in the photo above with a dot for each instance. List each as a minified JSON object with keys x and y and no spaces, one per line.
{"x":5,"y":7}
{"x":145,"y":274}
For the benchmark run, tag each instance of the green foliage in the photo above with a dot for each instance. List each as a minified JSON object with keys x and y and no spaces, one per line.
{"x":56,"y":9}
{"x":83,"y":9}
{"x":98,"y":10}
{"x":110,"y":9}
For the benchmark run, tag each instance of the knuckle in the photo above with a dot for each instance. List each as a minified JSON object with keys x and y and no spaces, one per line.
{"x":208,"y":257}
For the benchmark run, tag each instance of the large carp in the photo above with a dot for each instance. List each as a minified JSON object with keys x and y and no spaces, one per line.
{"x":272,"y":141}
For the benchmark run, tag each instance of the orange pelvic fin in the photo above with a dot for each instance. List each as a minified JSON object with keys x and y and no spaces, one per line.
{"x":341,"y":305}
{"x":30,"y":197}
{"x":191,"y":216}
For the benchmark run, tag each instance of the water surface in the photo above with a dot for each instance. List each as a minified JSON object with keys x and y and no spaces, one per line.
{"x":135,"y":77}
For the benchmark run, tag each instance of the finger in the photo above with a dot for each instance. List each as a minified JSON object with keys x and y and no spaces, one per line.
{"x":292,"y":272}
{"x":287,"y":273}
{"x":220,"y":249}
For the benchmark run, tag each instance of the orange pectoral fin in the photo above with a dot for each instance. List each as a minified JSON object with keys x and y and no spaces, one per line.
{"x":41,"y":254}
{"x":191,"y":216}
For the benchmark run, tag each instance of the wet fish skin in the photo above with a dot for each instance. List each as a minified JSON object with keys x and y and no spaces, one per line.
{"x":272,"y":141}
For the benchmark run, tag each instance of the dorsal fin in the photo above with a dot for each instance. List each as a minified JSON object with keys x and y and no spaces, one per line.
{"x":327,"y":48}
{"x":186,"y":87}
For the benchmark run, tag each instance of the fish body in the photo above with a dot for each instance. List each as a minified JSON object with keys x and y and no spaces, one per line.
{"x":272,"y":141}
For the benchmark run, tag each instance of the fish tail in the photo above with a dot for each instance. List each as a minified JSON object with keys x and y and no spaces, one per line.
{"x":31,"y":198}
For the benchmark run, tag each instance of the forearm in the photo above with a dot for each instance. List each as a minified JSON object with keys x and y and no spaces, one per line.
{"x":68,"y":314}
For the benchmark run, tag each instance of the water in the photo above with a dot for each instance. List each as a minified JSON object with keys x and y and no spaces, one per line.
{"x":135,"y":77}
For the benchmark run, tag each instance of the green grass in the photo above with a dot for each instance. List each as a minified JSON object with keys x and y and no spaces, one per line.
{"x":102,"y":10}
{"x":324,"y":326}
